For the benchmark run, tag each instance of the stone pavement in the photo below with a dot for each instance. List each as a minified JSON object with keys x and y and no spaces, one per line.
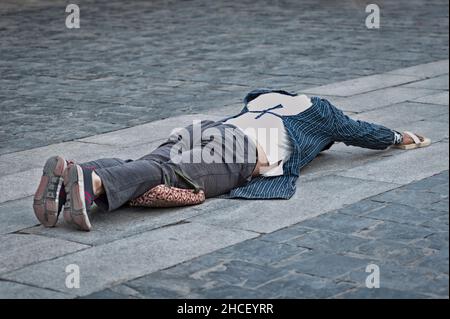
{"x":352,"y":207}
{"x":403,"y":231}
{"x":134,"y":62}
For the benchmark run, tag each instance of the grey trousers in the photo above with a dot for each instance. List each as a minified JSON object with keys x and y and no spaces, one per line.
{"x":124,"y":180}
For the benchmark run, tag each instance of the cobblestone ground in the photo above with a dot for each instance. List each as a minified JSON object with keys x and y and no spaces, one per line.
{"x":140,"y":61}
{"x":403,"y":231}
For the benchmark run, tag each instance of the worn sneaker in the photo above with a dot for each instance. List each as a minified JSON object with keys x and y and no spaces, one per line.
{"x":78,"y":198}
{"x":49,"y":197}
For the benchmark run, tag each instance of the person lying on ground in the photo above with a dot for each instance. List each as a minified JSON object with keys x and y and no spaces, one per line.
{"x":256,"y":154}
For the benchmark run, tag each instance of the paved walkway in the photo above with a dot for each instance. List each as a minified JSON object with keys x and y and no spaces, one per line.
{"x":133,"y":63}
{"x":403,"y":231}
{"x":385,"y":207}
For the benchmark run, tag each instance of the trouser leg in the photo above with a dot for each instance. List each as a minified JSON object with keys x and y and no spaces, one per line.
{"x":131,"y":179}
{"x":360,"y":133}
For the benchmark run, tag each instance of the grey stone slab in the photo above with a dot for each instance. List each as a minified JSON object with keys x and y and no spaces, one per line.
{"x":336,"y":222}
{"x":124,"y":222}
{"x":426,"y":70}
{"x":131,"y":257}
{"x":240,"y":273}
{"x":362,"y":208}
{"x":436,"y":83}
{"x":361,"y":85}
{"x":327,"y":265}
{"x":392,"y":252}
{"x":420,"y":163}
{"x":440,"y":206}
{"x":286,"y":234}
{"x":19,"y":185}
{"x":259,"y":252}
{"x":397,"y":232}
{"x":403,"y":113}
{"x":146,"y":133}
{"x":439,"y":261}
{"x":13,"y":290}
{"x":341,"y":158}
{"x":313,"y":197}
{"x":406,"y":278}
{"x":380,"y":98}
{"x":304,"y":286}
{"x":438,"y":98}
{"x":380,"y":293}
{"x":404,"y":214}
{"x":78,"y":151}
{"x":438,"y":240}
{"x":329,"y":241}
{"x":162,"y":284}
{"x":407,"y":197}
{"x":20,"y":250}
{"x":17,"y":215}
{"x":231,"y":292}
{"x":109,"y":294}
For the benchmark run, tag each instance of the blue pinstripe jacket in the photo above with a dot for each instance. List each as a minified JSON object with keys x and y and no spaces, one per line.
{"x":310,"y":131}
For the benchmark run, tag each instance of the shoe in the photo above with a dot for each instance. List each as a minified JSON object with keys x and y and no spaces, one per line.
{"x":50,"y":196}
{"x":78,"y":202}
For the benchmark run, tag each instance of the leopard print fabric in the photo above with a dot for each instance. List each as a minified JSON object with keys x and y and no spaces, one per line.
{"x":166,"y":196}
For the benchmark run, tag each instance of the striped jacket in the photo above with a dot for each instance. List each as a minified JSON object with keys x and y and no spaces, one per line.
{"x":311,"y":132}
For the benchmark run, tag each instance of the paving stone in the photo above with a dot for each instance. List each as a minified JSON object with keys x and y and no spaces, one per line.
{"x":124,"y":222}
{"x":437,"y":261}
{"x":17,"y":215}
{"x":422,"y":163}
{"x":304,"y":286}
{"x":362,"y":208}
{"x":327,"y":241}
{"x":437,"y":240}
{"x":404,"y":214}
{"x":397,"y":232}
{"x":438,"y":98}
{"x":409,"y":279}
{"x":381,"y":98}
{"x":389,"y":251}
{"x":231,"y":292}
{"x":81,"y":152}
{"x":405,"y":113}
{"x":436,"y":83}
{"x":341,"y":158}
{"x":440,"y":206}
{"x":327,"y":265}
{"x":342,"y":223}
{"x":313,"y":197}
{"x":20,"y":250}
{"x":361,"y":85}
{"x":13,"y":290}
{"x":109,"y":294}
{"x":286,"y":234}
{"x":242,"y":274}
{"x":426,"y":70}
{"x":129,"y":258}
{"x":413,"y":198}
{"x":166,"y":285}
{"x":143,"y":134}
{"x":259,"y":252}
{"x":380,"y":293}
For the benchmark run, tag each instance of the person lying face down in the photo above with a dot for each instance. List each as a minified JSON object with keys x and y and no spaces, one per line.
{"x":255,"y":154}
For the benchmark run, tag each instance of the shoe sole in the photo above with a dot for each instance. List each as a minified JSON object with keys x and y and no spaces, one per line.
{"x":46,"y":198}
{"x":75,"y":212}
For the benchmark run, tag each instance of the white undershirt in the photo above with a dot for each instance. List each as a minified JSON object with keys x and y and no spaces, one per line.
{"x":268,"y":130}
